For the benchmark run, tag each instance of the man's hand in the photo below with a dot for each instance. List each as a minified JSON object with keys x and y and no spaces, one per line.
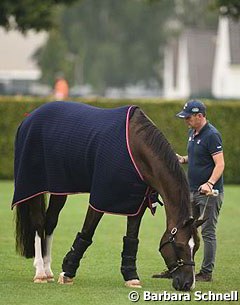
{"x":206,"y":188}
{"x":181,"y":159}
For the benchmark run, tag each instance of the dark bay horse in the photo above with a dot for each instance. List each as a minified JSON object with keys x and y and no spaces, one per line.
{"x":119,"y":157}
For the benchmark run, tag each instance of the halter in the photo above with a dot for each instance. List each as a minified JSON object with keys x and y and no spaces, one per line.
{"x":179,"y":262}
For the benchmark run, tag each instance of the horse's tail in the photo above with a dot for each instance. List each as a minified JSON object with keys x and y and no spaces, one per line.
{"x":27,"y":224}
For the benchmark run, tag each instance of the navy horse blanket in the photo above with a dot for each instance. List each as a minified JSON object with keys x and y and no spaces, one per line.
{"x":66,"y":148}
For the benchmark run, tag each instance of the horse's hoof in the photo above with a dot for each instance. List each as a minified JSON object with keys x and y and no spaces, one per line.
{"x":133,"y":284}
{"x":40,"y":280}
{"x":50,"y":279}
{"x":64,"y":279}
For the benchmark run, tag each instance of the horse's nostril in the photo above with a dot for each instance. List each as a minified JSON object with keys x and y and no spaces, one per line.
{"x":176,"y":283}
{"x":180,"y":285}
{"x":187,"y":286}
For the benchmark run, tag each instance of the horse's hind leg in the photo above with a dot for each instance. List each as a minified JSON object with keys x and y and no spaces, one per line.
{"x":37,"y":216}
{"x":56,"y":203}
{"x":130,"y":248}
{"x":82,"y":241}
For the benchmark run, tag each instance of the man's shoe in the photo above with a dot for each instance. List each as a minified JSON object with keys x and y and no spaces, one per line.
{"x":203,"y":277}
{"x":163,"y":275}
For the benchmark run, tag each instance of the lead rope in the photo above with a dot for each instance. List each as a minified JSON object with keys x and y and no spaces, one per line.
{"x":213,"y":193}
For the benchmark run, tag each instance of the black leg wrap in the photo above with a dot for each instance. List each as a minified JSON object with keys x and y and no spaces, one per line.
{"x":128,"y":267}
{"x":72,"y":260}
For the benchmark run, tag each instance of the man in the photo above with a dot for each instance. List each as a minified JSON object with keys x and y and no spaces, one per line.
{"x":205,"y":168}
{"x":61,"y":88}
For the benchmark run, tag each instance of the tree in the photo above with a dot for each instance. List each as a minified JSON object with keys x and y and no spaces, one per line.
{"x":228,"y":7}
{"x":53,"y":58}
{"x":29,"y":14}
{"x":112,"y":42}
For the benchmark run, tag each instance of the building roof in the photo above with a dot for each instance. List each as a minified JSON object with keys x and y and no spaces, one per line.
{"x":16,"y":51}
{"x":234,"y":40}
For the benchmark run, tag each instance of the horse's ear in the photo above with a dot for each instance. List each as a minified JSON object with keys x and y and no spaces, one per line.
{"x":198,"y":222}
{"x":188,"y":221}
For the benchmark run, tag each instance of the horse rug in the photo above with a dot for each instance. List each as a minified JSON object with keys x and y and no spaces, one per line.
{"x":67,"y":148}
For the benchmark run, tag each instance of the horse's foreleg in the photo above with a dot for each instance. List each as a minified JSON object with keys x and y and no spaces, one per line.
{"x":82,"y":241}
{"x":130,"y":248}
{"x":56,"y":203}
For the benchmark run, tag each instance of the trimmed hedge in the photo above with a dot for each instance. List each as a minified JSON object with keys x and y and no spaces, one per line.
{"x":223,"y":115}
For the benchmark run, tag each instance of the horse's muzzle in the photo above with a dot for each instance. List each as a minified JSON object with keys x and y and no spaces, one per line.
{"x":182,"y":283}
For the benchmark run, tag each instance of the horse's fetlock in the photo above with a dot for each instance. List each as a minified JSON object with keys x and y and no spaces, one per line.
{"x":38,"y":262}
{"x":70,"y":264}
{"x":71,"y":261}
{"x":129,"y":273}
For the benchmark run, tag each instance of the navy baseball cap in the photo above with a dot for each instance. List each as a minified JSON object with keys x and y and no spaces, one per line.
{"x":190,"y":108}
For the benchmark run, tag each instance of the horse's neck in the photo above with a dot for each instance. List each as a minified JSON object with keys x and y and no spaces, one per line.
{"x":155,"y":172}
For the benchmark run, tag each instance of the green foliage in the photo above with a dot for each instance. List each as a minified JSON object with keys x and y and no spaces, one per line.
{"x":117,"y":43}
{"x":195,"y":11}
{"x":223,"y":115}
{"x":11,"y":115}
{"x":52,"y":60}
{"x":196,"y":14}
{"x":112,"y":43}
{"x":228,"y":7}
{"x":29,"y":14}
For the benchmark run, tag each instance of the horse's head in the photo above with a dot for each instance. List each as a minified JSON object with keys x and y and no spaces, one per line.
{"x":178,"y":247}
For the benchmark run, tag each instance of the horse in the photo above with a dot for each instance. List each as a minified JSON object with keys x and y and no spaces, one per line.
{"x":53,"y":157}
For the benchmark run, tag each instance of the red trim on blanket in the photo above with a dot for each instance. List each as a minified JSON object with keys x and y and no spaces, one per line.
{"x":122,"y":214}
{"x":101,"y":211}
{"x":128,"y":146}
{"x":44,"y":192}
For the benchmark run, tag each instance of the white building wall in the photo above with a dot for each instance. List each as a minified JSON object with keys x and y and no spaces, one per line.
{"x":183,"y":70}
{"x":168,"y":76}
{"x":182,"y":89}
{"x":233,"y":82}
{"x":226,"y":77}
{"x":16,"y":51}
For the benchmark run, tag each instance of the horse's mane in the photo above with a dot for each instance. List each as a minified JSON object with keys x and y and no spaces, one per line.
{"x":160,"y":146}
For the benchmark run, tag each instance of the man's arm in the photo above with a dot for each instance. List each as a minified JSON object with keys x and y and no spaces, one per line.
{"x":216,"y":173}
{"x":218,"y":169}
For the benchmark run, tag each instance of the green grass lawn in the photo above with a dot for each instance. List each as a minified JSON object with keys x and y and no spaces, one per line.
{"x":99,"y":280}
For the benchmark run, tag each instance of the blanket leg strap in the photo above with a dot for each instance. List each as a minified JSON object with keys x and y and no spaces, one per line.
{"x":72,"y":260}
{"x":129,"y":253}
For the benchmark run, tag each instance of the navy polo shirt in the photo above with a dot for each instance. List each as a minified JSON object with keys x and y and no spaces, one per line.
{"x":201,"y":148}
